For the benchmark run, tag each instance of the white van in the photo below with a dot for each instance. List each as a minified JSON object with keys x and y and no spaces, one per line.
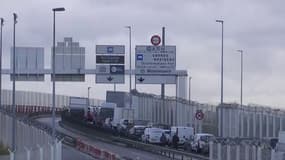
{"x":152,"y":135}
{"x":183,"y":133}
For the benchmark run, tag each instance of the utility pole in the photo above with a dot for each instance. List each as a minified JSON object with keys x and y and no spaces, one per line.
{"x":1,"y":42}
{"x":222,"y":78}
{"x":53,"y":79}
{"x":14,"y":87}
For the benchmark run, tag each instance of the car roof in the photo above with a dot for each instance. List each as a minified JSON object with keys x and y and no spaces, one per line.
{"x":139,"y":126}
{"x":204,"y":134}
{"x":155,"y":129}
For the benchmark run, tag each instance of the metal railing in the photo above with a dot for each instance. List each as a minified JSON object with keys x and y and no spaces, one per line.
{"x":32,"y":139}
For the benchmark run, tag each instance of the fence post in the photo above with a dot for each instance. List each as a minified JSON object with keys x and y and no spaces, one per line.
{"x":58,"y":150}
{"x":272,"y":154}
{"x":52,"y":151}
{"x":228,"y":152}
{"x":11,"y":154}
{"x":211,"y":151}
{"x":246,"y":152}
{"x":259,"y":153}
{"x":238,"y":152}
{"x":28,"y":153}
{"x":254,"y":152}
{"x":41,"y":152}
{"x":219,"y":151}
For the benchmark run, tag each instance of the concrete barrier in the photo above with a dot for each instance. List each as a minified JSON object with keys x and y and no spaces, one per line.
{"x":95,"y":151}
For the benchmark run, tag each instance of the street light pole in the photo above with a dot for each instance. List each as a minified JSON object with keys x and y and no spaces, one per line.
{"x":130,"y":56}
{"x":222,"y":75}
{"x":14,"y":76}
{"x":241,"y":88}
{"x":1,"y":25}
{"x":53,"y":76}
{"x":89,"y":96}
{"x":241,"y":75}
{"x":190,"y":89}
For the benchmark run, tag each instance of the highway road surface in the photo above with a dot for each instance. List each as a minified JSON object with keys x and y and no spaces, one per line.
{"x":69,"y":153}
{"x":122,"y":151}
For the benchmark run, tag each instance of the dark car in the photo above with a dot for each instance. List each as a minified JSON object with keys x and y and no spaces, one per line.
{"x":136,"y":132}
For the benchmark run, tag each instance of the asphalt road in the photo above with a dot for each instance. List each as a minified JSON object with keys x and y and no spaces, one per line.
{"x":122,"y":151}
{"x":69,"y":153}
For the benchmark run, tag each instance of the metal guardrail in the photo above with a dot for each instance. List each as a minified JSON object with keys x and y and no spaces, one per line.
{"x":171,"y":153}
{"x":71,"y":141}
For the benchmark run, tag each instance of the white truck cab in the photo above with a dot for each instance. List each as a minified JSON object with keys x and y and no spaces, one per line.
{"x":183,"y":133}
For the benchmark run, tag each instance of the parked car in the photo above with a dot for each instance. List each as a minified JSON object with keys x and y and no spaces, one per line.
{"x":152,"y":135}
{"x":199,"y":143}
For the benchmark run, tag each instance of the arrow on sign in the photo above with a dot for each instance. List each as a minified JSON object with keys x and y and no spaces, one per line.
{"x":110,"y":78}
{"x":141,"y":79}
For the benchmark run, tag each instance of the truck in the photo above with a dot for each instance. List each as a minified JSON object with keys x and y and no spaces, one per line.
{"x":122,"y":119}
{"x":183,"y":133}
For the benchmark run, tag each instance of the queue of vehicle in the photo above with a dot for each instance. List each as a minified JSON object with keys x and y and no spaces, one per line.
{"x":111,"y":117}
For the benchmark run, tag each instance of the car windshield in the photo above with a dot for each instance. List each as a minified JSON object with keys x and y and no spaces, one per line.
{"x":125,"y":122}
{"x":140,"y":130}
{"x":156,"y":131}
{"x":140,"y":122}
{"x":205,"y":138}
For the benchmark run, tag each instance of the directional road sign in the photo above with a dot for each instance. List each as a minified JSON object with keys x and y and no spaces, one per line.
{"x":110,"y":69}
{"x":110,"y":49}
{"x":156,"y":60}
{"x":110,"y":64}
{"x":111,"y":79}
{"x":155,"y":79}
{"x":110,"y":59}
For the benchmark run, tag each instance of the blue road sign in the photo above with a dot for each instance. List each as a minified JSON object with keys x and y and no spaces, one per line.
{"x":139,"y":57}
{"x":110,"y":49}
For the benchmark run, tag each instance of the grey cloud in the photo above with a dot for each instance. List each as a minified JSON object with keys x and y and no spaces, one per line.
{"x":255,"y":26}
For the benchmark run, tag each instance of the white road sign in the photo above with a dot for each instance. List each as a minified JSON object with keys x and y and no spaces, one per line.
{"x":102,"y":69}
{"x":151,"y":79}
{"x":155,"y":60}
{"x":110,"y":49}
{"x":110,"y":64}
{"x":108,"y":78}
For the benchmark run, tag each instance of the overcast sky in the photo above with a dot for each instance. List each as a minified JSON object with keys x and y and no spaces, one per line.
{"x":255,"y":26}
